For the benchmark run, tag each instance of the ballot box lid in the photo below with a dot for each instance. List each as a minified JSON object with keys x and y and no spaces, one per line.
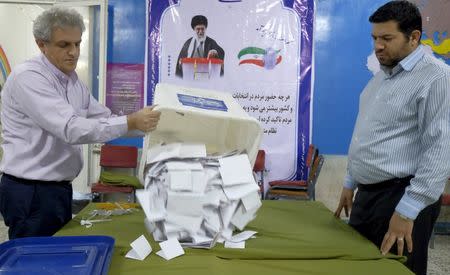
{"x":195,"y":115}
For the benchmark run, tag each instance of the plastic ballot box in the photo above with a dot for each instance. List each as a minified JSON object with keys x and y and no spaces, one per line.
{"x":208,"y":117}
{"x":201,"y":68}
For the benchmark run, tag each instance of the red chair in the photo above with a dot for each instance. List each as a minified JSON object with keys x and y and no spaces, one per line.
{"x":117,"y":159}
{"x":259,"y":169}
{"x":299,"y":189}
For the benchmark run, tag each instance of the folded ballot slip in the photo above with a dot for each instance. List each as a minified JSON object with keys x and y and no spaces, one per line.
{"x":197,"y":167}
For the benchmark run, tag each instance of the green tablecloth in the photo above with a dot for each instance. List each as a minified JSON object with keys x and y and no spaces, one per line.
{"x":294,"y":237}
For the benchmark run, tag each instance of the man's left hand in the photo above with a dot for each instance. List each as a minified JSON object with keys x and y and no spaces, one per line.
{"x":213,"y":54}
{"x":400,"y":231}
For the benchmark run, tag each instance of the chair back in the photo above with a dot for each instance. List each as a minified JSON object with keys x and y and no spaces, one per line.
{"x":260,"y":161}
{"x":118,"y":156}
{"x":310,"y":155}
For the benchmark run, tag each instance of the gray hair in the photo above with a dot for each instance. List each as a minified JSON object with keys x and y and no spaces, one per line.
{"x":53,"y":18}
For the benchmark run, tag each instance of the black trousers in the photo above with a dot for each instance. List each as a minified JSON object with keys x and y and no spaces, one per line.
{"x":373,"y":208}
{"x":33,"y":208}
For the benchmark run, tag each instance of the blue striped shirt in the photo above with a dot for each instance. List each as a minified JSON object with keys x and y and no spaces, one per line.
{"x":403,"y":128}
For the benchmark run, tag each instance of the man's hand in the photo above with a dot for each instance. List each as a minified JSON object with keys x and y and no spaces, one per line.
{"x":345,"y":202}
{"x":144,"y":120}
{"x":213,"y":54}
{"x":400,"y":230}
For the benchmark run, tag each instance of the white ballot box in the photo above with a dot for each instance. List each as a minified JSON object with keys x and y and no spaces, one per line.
{"x":197,"y":167}
{"x":202,"y":116}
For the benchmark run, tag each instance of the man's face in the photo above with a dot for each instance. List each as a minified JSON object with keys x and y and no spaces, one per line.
{"x":390,"y":45}
{"x":200,"y":31}
{"x":63,"y":49}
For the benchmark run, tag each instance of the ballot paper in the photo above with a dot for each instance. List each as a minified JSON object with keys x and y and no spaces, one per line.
{"x":170,"y":249}
{"x":243,"y":236}
{"x":140,"y":249}
{"x":236,"y":170}
{"x":239,"y":245}
{"x":195,"y":199}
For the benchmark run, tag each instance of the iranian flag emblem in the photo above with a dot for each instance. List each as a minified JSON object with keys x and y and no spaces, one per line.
{"x":266,"y":58}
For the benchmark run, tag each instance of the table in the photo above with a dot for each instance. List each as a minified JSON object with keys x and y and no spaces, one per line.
{"x":294,"y":237}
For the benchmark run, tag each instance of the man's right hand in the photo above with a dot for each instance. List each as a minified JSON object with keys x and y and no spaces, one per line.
{"x":144,"y":120}
{"x":345,"y":202}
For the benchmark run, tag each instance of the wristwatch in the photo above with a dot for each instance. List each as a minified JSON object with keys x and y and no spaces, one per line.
{"x":403,"y":217}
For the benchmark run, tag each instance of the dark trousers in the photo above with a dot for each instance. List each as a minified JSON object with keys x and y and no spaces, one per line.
{"x":33,"y":208}
{"x":373,"y":208}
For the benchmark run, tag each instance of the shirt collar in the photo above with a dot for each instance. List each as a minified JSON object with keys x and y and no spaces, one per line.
{"x":406,"y":64}
{"x":411,"y":60}
{"x":60,"y":75}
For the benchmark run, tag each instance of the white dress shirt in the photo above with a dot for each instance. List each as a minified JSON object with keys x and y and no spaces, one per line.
{"x":46,"y":116}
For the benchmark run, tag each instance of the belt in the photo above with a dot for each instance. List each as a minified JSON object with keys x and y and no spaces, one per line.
{"x":27,"y":181}
{"x":387,"y":184}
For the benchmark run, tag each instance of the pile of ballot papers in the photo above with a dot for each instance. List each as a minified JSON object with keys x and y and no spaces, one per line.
{"x":196,"y":198}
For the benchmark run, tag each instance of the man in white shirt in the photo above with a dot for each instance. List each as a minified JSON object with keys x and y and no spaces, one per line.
{"x":47,"y":114}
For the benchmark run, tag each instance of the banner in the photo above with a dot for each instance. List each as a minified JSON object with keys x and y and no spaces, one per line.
{"x":260,"y":51}
{"x":124,"y":88}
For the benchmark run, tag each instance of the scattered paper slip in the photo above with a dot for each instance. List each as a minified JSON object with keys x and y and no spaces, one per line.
{"x":236,"y":170}
{"x":189,"y":198}
{"x":140,"y":249}
{"x":170,"y":249}
{"x":239,"y":245}
{"x":243,"y":236}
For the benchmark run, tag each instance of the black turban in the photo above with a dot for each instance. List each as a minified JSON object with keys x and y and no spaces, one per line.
{"x":199,"y":20}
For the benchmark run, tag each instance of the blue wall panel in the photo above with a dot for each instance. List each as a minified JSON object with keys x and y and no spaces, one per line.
{"x":126,"y":40}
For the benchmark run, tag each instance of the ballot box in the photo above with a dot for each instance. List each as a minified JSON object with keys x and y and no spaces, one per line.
{"x":194,"y":115}
{"x":201,"y":68}
{"x":196,"y":167}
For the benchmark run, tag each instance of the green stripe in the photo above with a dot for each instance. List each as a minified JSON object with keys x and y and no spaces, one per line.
{"x":252,"y":56}
{"x":251,"y":50}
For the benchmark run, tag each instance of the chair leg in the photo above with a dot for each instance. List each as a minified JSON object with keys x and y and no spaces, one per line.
{"x":433,"y":235}
{"x":262,"y":185}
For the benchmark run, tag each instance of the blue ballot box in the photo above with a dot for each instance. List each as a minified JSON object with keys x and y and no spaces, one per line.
{"x":57,"y":255}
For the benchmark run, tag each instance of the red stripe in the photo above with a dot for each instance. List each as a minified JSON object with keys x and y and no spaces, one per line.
{"x":201,"y":60}
{"x":279,"y":59}
{"x":257,"y":62}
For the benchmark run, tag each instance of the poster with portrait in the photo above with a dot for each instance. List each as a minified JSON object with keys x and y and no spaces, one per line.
{"x":258,"y":51}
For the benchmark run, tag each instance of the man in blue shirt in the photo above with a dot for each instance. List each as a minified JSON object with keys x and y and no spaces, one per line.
{"x":399,"y":157}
